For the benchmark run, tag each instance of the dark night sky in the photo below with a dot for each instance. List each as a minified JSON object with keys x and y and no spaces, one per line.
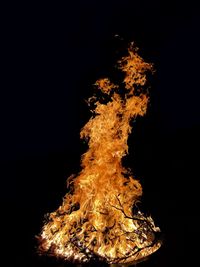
{"x":52,"y":54}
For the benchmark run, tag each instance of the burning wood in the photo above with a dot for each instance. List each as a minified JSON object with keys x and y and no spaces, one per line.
{"x":96,"y":218}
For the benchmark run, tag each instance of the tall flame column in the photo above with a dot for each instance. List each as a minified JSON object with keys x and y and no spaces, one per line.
{"x":96,"y":219}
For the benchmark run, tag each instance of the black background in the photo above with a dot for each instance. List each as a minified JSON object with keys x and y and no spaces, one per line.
{"x":52,"y":54}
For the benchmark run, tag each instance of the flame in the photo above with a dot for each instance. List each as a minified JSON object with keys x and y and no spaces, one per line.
{"x":96,"y":218}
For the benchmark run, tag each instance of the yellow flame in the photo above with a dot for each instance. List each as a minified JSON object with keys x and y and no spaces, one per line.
{"x":96,"y":217}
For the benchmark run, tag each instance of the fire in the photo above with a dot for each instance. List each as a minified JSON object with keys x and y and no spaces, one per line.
{"x":96,"y":218}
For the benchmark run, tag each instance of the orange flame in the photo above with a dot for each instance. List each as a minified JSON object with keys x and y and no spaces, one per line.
{"x":96,"y":218}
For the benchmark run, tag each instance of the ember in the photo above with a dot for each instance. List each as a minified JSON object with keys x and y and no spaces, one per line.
{"x":96,"y":219}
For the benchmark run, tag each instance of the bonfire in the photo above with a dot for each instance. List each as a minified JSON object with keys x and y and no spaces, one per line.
{"x":97,"y":219}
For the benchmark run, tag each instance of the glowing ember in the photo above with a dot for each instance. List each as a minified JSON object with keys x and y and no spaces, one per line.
{"x":96,"y":219}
